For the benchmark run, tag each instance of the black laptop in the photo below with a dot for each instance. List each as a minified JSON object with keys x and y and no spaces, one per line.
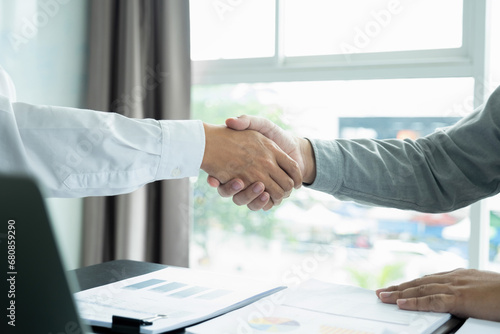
{"x":36,"y":292}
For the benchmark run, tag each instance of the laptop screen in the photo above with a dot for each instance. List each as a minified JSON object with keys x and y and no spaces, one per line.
{"x":35,"y":290}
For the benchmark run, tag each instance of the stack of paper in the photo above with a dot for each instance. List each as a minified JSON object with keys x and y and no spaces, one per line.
{"x":174,"y":297}
{"x":323,"y":308}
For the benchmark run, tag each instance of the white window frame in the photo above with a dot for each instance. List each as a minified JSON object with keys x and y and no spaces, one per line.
{"x":469,"y":60}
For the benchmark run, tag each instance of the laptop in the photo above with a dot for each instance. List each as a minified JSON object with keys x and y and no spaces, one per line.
{"x":36,"y":291}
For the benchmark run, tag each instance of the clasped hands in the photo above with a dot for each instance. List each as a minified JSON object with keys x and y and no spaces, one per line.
{"x":267,"y":163}
{"x":259,"y":164}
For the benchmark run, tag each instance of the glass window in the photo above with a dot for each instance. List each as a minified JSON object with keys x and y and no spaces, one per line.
{"x":494,"y":249}
{"x":322,"y":27}
{"x":312,"y":234}
{"x":230,"y":29}
{"x":494,"y":203}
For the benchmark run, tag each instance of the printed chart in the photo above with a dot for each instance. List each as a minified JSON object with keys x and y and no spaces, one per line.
{"x":274,"y":325}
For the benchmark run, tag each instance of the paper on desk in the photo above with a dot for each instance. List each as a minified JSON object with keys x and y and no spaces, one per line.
{"x":306,"y":310}
{"x":475,"y":326}
{"x":186,"y":296}
{"x":272,"y":318}
{"x":346,"y":300}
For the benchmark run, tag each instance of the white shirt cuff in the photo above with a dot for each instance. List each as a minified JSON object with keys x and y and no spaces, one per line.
{"x":183,"y":146}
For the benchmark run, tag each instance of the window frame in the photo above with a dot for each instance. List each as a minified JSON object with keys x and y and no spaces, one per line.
{"x":469,"y":60}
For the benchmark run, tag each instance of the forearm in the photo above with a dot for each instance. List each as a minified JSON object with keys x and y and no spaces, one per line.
{"x":76,"y":153}
{"x":441,"y":172}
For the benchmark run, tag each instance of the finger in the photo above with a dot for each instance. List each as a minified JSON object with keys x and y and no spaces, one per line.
{"x":238,"y":123}
{"x":279,"y":187}
{"x":278,"y":184}
{"x":291,"y":167}
{"x":430,"y":279}
{"x":420,"y":291}
{"x":280,"y":177}
{"x":269,"y":205}
{"x":213,"y":182}
{"x":260,"y":202}
{"x":249,"y":194}
{"x":230,"y":188}
{"x":427,"y":279}
{"x":433,"y":303}
{"x":260,"y":124}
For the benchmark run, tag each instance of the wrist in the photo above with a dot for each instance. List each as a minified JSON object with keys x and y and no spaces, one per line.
{"x":307,"y":152}
{"x":206,"y":162}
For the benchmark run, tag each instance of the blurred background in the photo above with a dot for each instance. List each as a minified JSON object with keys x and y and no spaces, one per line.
{"x":320,"y":69}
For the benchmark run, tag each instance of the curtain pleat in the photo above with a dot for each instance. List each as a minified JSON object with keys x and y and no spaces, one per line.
{"x":139,"y":66}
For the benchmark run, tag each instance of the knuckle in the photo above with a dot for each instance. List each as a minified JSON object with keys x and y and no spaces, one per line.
{"x":268,"y":164}
{"x":223,"y":192}
{"x":397,"y":294}
{"x":252,"y":207}
{"x":236,"y":201}
{"x":435,"y":303}
{"x":279,"y":194}
{"x":421,"y":290}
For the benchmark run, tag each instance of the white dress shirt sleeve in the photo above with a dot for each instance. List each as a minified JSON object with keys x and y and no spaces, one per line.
{"x":7,"y":87}
{"x":77,"y":153}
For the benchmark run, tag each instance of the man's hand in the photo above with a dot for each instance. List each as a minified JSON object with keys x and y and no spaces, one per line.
{"x":461,"y":292}
{"x":297,"y":148}
{"x":249,"y":157}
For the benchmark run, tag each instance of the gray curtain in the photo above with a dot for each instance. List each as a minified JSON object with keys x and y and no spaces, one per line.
{"x":139,"y":66}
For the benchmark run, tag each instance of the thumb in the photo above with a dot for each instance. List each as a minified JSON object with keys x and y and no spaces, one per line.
{"x":212,"y":181}
{"x":238,"y":123}
{"x":259,"y":124}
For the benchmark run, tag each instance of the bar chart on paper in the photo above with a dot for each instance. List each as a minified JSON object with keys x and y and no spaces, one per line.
{"x":274,"y":325}
{"x":316,"y":307}
{"x":181,"y":296}
{"x":283,"y":325}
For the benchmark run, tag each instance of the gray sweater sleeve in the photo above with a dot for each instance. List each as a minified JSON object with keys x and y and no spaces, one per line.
{"x":446,"y":170}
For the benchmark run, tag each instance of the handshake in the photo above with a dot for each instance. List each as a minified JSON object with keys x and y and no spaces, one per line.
{"x":256,"y":162}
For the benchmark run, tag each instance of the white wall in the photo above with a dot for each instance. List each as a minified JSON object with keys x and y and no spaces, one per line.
{"x":43,"y":46}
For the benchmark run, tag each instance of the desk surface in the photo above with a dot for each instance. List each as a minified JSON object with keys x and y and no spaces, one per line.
{"x":113,"y":271}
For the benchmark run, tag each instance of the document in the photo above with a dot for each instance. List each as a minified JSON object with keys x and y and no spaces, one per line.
{"x":171,"y":298}
{"x":322,"y":308}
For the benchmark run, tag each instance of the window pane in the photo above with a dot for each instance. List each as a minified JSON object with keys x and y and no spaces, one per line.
{"x":494,"y":203}
{"x":320,"y":27}
{"x":311,"y":234}
{"x":223,"y":29}
{"x":494,"y":30}
{"x":494,"y":250}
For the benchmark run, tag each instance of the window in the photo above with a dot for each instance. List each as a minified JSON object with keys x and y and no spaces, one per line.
{"x":322,"y":27}
{"x":410,"y":78}
{"x":493,"y":204}
{"x":232,"y":29}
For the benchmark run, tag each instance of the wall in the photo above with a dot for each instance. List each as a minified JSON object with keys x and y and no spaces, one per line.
{"x":43,"y":47}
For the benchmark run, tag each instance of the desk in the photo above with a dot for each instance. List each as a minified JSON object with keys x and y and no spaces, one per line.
{"x":113,"y":271}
